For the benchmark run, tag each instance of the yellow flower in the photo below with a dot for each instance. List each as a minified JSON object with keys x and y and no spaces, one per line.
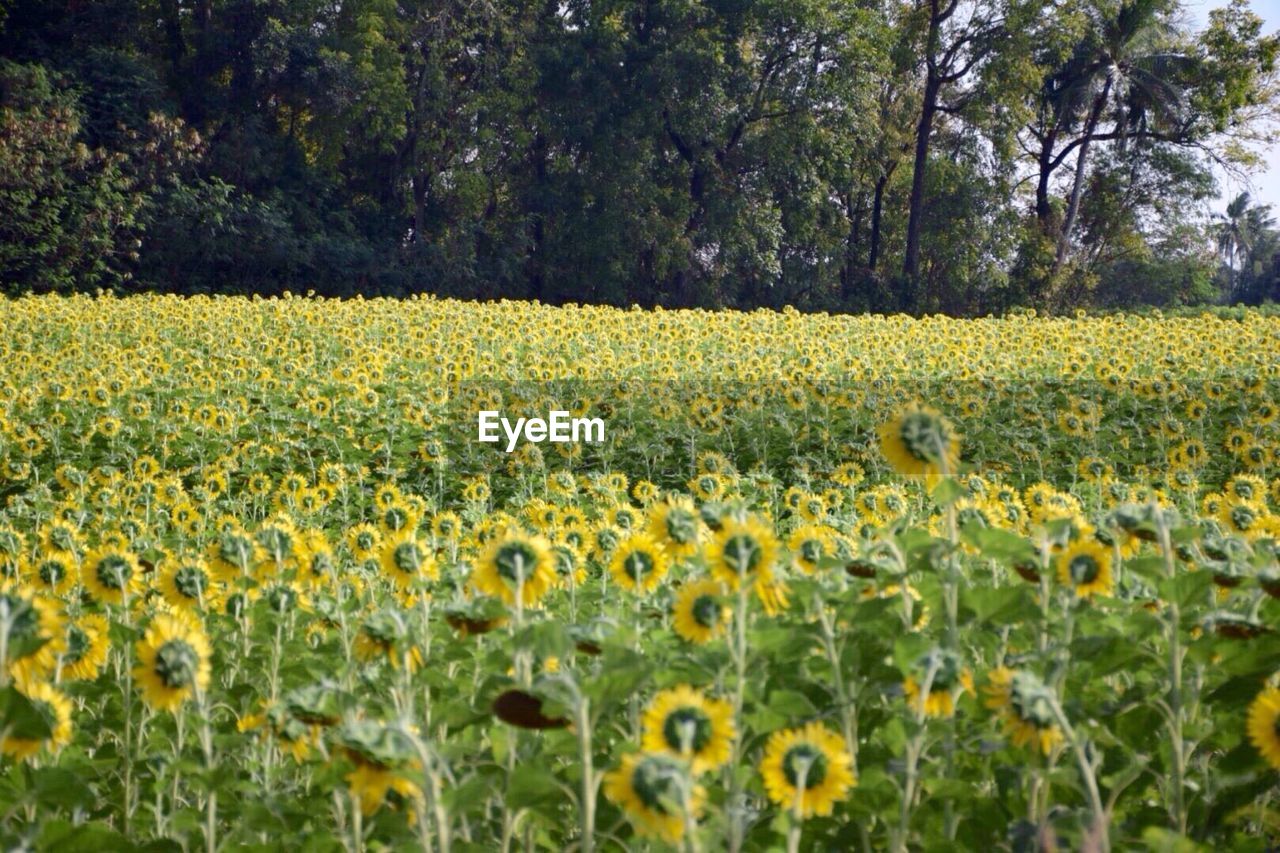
{"x":686,"y":724}
{"x":173,"y":661}
{"x":1026,"y":706}
{"x":700,"y":614}
{"x":919,"y":442}
{"x":675,"y":524}
{"x":638,"y":564}
{"x":657,"y":792}
{"x":1085,"y":566}
{"x":110,"y":573}
{"x":406,"y":561}
{"x":87,"y":644}
{"x":949,"y":680}
{"x":1264,"y":725}
{"x":807,"y":770}
{"x":55,"y":709}
{"x":516,"y":561}
{"x":743,"y":551}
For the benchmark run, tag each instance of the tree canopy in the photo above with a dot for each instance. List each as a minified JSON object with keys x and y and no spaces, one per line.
{"x":929,"y":155}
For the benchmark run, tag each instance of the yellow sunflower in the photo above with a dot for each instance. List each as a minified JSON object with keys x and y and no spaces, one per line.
{"x":809,"y":544}
{"x":173,"y":661}
{"x":700,"y":614}
{"x":35,"y":633}
{"x":54,"y":708}
{"x":638,"y":563}
{"x":1085,"y":566}
{"x":1264,"y":725}
{"x":675,"y":524}
{"x":516,"y":561}
{"x":950,"y":680}
{"x":187,"y":583}
{"x":686,"y":724}
{"x":657,"y":792}
{"x":807,"y":770}
{"x":1026,"y":706}
{"x":743,"y":551}
{"x":54,"y":572}
{"x":109,"y":574}
{"x":406,"y":560}
{"x":88,"y":642}
{"x":920,"y":442}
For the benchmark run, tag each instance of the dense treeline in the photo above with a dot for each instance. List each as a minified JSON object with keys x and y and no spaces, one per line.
{"x":929,"y":155}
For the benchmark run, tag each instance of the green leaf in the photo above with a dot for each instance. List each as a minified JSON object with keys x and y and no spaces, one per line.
{"x":20,"y":718}
{"x":998,"y":544}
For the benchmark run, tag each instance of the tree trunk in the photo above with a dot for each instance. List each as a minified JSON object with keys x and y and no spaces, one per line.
{"x":419,"y":207}
{"x":877,"y":209}
{"x":1077,"y":187}
{"x":915,"y":218}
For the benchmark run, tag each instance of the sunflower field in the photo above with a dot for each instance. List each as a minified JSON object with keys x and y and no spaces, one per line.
{"x":828,"y":583}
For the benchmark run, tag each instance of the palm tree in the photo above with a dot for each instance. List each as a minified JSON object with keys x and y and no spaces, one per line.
{"x":1239,"y":230}
{"x":1124,"y":64}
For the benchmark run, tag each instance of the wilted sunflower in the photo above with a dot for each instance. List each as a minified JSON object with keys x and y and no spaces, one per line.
{"x":54,"y":709}
{"x":514,"y":561}
{"x":639,"y":564}
{"x":686,"y":724}
{"x":700,"y":614}
{"x":385,"y":635}
{"x":1085,"y":567}
{"x":173,"y":661}
{"x":920,"y":442}
{"x":1263,"y":725}
{"x":807,"y":770}
{"x":406,"y":560}
{"x":1026,"y":706}
{"x":109,"y":574}
{"x":383,"y":757}
{"x":656,"y":791}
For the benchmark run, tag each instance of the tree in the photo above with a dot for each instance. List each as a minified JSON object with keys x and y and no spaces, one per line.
{"x":1242,"y":231}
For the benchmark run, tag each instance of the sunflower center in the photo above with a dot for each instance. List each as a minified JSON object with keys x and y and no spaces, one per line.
{"x":706,"y":611}
{"x":656,"y":781}
{"x":277,"y":542}
{"x":176,"y":663}
{"x":52,"y":572}
{"x":114,"y":571}
{"x":281,"y":598}
{"x":408,"y":558}
{"x":687,"y":729}
{"x":190,"y":582}
{"x":60,"y":537}
{"x":800,"y":757}
{"x":681,"y":526}
{"x":77,"y":644}
{"x":811,"y":550}
{"x":743,"y":553}
{"x":1084,"y":569}
{"x":637,"y":565}
{"x":1242,"y":517}
{"x":395,"y":518}
{"x":514,"y":561}
{"x":235,"y":550}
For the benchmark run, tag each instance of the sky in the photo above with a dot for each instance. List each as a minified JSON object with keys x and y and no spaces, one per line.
{"x":1263,"y":186}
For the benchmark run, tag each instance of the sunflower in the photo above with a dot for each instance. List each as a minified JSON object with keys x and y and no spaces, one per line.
{"x":809,"y":544}
{"x":406,"y":560}
{"x":743,"y":550}
{"x":173,"y":661}
{"x":110,"y":573}
{"x":187,"y":583}
{"x":920,"y":442}
{"x":1026,"y":706}
{"x":700,"y":614}
{"x":638,"y":563}
{"x":54,"y":572}
{"x":364,"y":540}
{"x":950,"y":680}
{"x":686,"y":724}
{"x":234,"y":553}
{"x":807,"y":769}
{"x":516,"y":561}
{"x":87,"y":644}
{"x":386,"y":635}
{"x":1085,"y":566}
{"x":657,"y":792}
{"x":54,"y":709}
{"x":35,"y":632}
{"x":1263,"y":725}
{"x":383,"y":757}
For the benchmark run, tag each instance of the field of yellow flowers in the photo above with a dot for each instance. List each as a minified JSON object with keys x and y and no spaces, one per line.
{"x":828,"y":582}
